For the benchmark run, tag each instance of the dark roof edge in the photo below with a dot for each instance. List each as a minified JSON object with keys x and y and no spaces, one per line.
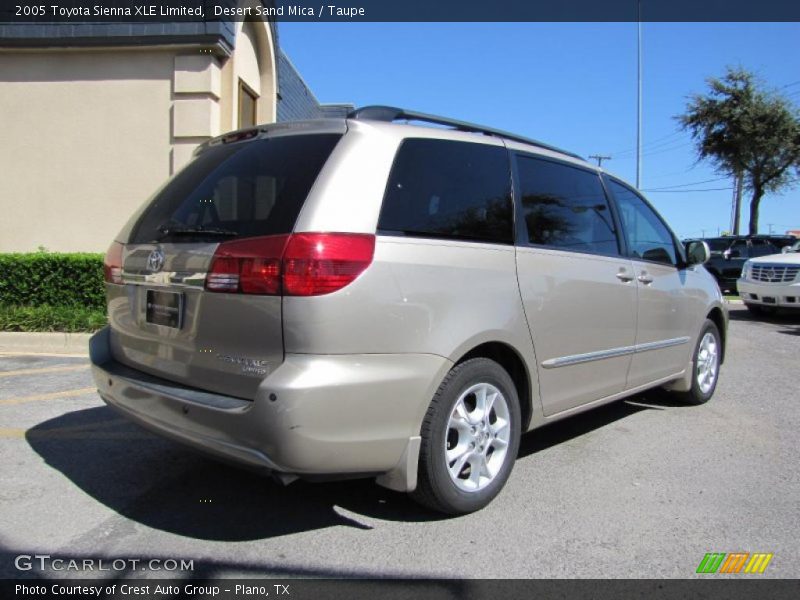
{"x":142,"y":42}
{"x":27,"y":35}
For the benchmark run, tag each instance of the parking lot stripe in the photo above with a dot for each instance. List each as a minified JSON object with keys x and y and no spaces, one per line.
{"x":51,"y":396}
{"x":10,"y":354}
{"x":56,"y":433}
{"x":43,"y":370}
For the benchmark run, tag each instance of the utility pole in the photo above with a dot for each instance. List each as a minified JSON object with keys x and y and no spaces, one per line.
{"x":639,"y":95}
{"x":737,"y":203}
{"x":600,"y":158}
{"x":770,"y":225}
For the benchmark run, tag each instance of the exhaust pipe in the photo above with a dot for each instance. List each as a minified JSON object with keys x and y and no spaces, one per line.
{"x":284,"y":478}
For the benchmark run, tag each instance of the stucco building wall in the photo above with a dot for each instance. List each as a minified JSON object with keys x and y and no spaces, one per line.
{"x":96,"y":117}
{"x":87,"y":137}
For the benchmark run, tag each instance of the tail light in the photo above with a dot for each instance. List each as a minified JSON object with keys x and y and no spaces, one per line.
{"x":300,"y":264}
{"x":112,"y":264}
{"x":250,"y":266}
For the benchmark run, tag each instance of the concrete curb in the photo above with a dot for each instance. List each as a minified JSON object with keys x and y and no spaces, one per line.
{"x":13,"y":342}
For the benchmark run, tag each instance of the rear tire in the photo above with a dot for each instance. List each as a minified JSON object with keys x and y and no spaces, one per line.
{"x":754,"y":309}
{"x":706,"y":361}
{"x":470,"y":438}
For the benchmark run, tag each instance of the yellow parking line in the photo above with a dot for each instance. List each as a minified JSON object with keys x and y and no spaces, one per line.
{"x":9,"y":354}
{"x":55,"y":433}
{"x":58,"y":369}
{"x":50,"y":396}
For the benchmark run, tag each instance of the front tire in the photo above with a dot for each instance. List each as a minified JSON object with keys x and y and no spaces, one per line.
{"x":706,"y":360}
{"x":470,"y":438}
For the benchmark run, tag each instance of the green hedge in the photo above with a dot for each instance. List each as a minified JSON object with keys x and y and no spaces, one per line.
{"x":52,"y":279}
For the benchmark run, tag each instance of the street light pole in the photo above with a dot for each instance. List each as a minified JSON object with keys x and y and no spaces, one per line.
{"x":639,"y":94}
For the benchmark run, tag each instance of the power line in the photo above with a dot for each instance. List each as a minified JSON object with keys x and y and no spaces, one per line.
{"x":662,"y":175}
{"x":681,"y":185}
{"x":685,"y":191}
{"x":662,"y":141}
{"x":654,"y":152}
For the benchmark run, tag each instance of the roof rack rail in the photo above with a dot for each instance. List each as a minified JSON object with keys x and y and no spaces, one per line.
{"x":391,"y":113}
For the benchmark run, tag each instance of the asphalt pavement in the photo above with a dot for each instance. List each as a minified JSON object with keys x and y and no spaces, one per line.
{"x":641,"y":488}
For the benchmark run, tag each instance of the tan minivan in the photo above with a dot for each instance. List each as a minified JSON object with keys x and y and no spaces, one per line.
{"x":365,"y":298}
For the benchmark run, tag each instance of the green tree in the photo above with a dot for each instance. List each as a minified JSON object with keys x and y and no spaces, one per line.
{"x":746,"y":130}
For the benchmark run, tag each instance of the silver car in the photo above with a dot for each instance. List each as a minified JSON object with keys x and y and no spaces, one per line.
{"x":362,"y":297}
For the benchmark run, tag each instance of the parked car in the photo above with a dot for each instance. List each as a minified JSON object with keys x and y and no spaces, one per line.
{"x":795,"y":247}
{"x":779,"y":241}
{"x":365,"y":298}
{"x":729,"y":253}
{"x":772,"y":282}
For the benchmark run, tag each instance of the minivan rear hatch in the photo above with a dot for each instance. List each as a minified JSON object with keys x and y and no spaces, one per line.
{"x":166,"y":319}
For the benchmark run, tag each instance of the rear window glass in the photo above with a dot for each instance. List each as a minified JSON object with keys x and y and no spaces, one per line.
{"x":237,"y":190}
{"x":449,"y":189}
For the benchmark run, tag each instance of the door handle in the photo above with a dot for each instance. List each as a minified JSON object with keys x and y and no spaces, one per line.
{"x":645,"y":278}
{"x":623,"y":276}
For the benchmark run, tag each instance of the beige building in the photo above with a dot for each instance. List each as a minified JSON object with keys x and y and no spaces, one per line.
{"x":96,"y":117}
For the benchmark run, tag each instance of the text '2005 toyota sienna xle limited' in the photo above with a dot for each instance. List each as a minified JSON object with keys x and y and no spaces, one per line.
{"x":364,"y":298}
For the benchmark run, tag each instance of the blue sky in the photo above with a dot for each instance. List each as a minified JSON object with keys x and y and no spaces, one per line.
{"x":570,"y":84}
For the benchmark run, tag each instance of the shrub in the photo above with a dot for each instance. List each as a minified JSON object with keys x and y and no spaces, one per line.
{"x":48,"y":279}
{"x":51,"y":318}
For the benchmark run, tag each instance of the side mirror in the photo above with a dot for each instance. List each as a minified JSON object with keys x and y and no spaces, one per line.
{"x":697,"y":253}
{"x":786,"y":249}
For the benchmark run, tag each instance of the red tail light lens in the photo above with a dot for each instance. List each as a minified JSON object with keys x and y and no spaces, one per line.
{"x":301,"y":264}
{"x":250,"y":266}
{"x":112,"y":264}
{"x":321,"y":263}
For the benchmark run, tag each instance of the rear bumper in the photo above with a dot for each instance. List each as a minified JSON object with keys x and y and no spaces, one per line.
{"x":779,"y":295}
{"x":313,"y":416}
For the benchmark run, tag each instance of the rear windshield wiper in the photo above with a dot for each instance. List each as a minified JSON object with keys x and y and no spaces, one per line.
{"x":167,"y":230}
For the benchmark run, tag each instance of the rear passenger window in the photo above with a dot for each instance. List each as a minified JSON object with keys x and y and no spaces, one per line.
{"x":648,"y":237}
{"x":448,"y":189}
{"x":761,"y":248}
{"x":565,"y":207}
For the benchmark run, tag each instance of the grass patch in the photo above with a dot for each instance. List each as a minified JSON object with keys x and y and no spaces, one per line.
{"x":51,"y":318}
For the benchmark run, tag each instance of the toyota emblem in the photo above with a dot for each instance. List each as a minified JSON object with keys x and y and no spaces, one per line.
{"x":156,"y":260}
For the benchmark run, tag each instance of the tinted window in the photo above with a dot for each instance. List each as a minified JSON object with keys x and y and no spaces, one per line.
{"x":648,"y":237}
{"x":761,"y":248}
{"x":717,"y":245}
{"x":247,"y":189}
{"x":441,"y":188}
{"x":565,"y":207}
{"x":738,"y":249}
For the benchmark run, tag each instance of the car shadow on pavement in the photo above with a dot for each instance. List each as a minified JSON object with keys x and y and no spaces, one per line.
{"x":166,"y":486}
{"x":779,"y":316}
{"x":581,"y":424}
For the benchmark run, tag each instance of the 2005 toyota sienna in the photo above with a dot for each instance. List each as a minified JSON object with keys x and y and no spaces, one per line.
{"x":362,"y":297}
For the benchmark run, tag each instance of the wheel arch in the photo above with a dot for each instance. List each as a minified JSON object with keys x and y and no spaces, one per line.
{"x":508,"y":358}
{"x":718,"y":318}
